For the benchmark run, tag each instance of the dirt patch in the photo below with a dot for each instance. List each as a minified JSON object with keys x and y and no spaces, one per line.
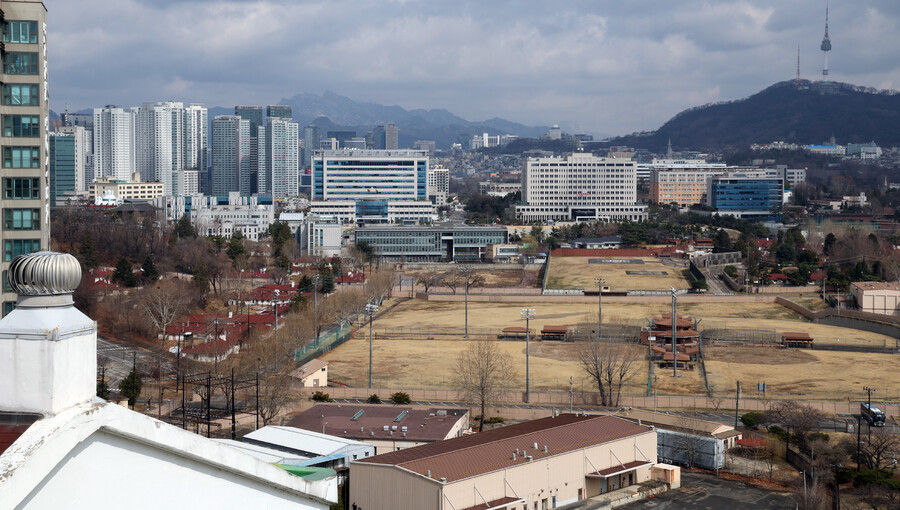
{"x":579,"y":273}
{"x":756,"y":355}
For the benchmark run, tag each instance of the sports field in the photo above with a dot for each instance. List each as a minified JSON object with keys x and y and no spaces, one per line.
{"x":427,"y":359}
{"x":431,"y":363}
{"x":620,"y":273}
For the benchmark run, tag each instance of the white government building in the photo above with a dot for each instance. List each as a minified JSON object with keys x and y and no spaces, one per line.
{"x":580,"y":187}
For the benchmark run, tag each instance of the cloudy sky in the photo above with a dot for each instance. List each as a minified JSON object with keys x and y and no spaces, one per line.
{"x":599,"y":66}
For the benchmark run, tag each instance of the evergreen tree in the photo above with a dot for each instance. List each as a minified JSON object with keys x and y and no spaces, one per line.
{"x":88,"y":252}
{"x":184,"y":229}
{"x":131,"y":386}
{"x":236,"y":246}
{"x":305,"y":284}
{"x":327,"y":280}
{"x":150,"y":272}
{"x":828,"y":247}
{"x":124,"y":274}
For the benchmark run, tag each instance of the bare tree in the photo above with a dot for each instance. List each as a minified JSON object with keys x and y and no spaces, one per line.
{"x":689,"y":440}
{"x":609,"y":364}
{"x":801,"y":419}
{"x":429,"y":279}
{"x":347,"y":305}
{"x":879,"y":447}
{"x":162,"y":304}
{"x":452,"y":280}
{"x":482,"y":372}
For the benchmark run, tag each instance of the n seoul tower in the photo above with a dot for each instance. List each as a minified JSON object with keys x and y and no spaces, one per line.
{"x":826,"y":47}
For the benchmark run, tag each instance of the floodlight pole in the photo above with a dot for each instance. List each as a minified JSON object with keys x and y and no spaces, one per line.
{"x":527,"y":314}
{"x":468,"y":271}
{"x":869,"y":392}
{"x":674,"y":324}
{"x":599,"y":282}
{"x":315,"y":281}
{"x":276,"y":329}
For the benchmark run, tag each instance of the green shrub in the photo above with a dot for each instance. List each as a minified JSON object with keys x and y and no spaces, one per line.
{"x":817,"y":436}
{"x":321,"y":397}
{"x":374,"y":399}
{"x":731,"y":271}
{"x":494,"y":420}
{"x":752,"y":419}
{"x":778,"y":432}
{"x":699,"y":284}
{"x":401,"y":398}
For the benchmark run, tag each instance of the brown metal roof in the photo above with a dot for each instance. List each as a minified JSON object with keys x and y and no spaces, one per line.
{"x":796,"y":337}
{"x":620,"y":468}
{"x":430,"y":424}
{"x":496,"y":503}
{"x":515,"y":330}
{"x":485,"y":452}
{"x":681,"y":357}
{"x":555,"y":329}
{"x":665,"y":320}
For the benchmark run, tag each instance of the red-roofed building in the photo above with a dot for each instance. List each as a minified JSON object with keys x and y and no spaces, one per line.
{"x":778,"y":278}
{"x":543,"y":463}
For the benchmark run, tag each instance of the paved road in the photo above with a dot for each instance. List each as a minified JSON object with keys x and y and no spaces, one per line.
{"x":118,"y":360}
{"x":709,"y":492}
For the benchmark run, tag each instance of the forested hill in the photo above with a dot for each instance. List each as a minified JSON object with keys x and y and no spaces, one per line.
{"x":810,"y":113}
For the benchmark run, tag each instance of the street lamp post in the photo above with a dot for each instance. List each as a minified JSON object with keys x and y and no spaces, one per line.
{"x":276,"y":293}
{"x":315,"y":280}
{"x":599,"y":282}
{"x":371,"y":309}
{"x":527,"y":314}
{"x":467,"y":270}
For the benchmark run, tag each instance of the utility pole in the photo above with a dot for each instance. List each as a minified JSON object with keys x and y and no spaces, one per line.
{"x":233,"y":420}
{"x":315,"y":280}
{"x":869,"y":392}
{"x":599,"y":282}
{"x":467,"y":270}
{"x":527,"y":314}
{"x":371,"y":309}
{"x":571,"y":393}
{"x":737,"y":404}
{"x":858,"y":440}
{"x":277,"y":292}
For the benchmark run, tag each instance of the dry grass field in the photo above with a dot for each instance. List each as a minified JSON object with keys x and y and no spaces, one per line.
{"x":579,"y":273}
{"x":430,"y":364}
{"x":820,"y":373}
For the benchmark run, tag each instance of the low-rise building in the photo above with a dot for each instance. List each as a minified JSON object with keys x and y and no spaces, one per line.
{"x":451,"y":242}
{"x":313,"y":374}
{"x":387,"y":428}
{"x":375,"y":212}
{"x":686,"y":440}
{"x":321,"y":236}
{"x":438,"y":185}
{"x":499,"y":189}
{"x":311,"y":448}
{"x":125,"y":190}
{"x":745,"y":194}
{"x":222,"y":216}
{"x":597,"y":243}
{"x":502,"y":252}
{"x":543,"y":463}
{"x":877,"y":297}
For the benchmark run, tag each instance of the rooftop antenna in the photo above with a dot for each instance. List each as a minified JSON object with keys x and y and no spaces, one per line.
{"x":797,"y":80}
{"x":826,"y":46}
{"x":669,"y":151}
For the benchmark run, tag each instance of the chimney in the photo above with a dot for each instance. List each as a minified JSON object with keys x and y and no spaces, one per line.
{"x":48,"y":348}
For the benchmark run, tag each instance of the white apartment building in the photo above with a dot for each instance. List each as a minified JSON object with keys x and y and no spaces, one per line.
{"x":114,"y":131}
{"x":579,"y":187}
{"x":279,"y":172}
{"x":196,"y":143}
{"x":159,"y":142}
{"x":438,"y":185}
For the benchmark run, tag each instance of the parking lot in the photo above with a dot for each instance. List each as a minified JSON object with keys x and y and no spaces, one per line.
{"x":709,"y":492}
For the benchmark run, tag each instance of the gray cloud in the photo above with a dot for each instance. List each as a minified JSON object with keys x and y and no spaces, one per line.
{"x":606,"y":66}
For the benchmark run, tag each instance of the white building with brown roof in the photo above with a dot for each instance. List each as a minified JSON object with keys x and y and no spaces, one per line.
{"x":877,"y":297}
{"x":385,"y":426}
{"x":543,"y":463}
{"x":313,"y":374}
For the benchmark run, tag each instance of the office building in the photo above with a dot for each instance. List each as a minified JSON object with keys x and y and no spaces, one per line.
{"x":461,"y":243}
{"x":341,"y":136}
{"x":279,"y":174}
{"x":320,"y":236}
{"x":85,"y":120}
{"x":425,"y":145}
{"x":391,"y":137}
{"x":745,"y":195}
{"x":120,"y":190}
{"x":580,"y":187}
{"x":84,"y":154}
{"x":499,"y":189}
{"x":64,"y":176}
{"x":546,"y":463}
{"x":371,"y":186}
{"x":222,"y":215}
{"x":231,"y":155}
{"x":26,"y":139}
{"x":310,"y":144}
{"x":438,"y":185}
{"x":114,"y":155}
{"x":253,"y":114}
{"x":379,"y":136}
{"x":279,"y":111}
